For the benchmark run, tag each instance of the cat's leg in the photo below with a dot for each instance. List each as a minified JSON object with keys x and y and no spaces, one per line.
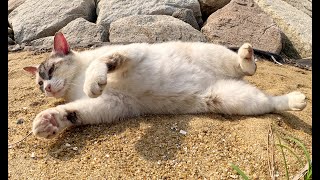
{"x":104,"y":109}
{"x":241,"y":98}
{"x":246,"y":59}
{"x":96,"y":73}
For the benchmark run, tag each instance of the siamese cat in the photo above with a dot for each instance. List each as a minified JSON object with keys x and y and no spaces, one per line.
{"x":116,"y":82}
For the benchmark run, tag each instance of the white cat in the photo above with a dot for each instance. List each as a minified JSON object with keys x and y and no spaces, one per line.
{"x":120,"y":81}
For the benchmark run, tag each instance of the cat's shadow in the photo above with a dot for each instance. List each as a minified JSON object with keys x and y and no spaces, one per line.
{"x":161,"y":139}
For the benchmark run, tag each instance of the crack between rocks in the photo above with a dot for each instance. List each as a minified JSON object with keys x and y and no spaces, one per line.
{"x":265,"y":30}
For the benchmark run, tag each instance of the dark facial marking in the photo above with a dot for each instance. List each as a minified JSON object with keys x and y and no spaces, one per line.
{"x":43,"y":72}
{"x":72,"y":117}
{"x":51,"y":71}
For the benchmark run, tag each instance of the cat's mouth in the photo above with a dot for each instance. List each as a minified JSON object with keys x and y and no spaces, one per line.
{"x":57,"y":93}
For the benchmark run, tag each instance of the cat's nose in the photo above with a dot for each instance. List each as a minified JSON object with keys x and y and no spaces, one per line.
{"x":48,"y":88}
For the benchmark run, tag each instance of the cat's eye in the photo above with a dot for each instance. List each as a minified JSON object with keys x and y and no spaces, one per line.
{"x":51,"y":71}
{"x":40,"y":83}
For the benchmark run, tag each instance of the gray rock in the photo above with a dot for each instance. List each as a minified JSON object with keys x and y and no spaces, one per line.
{"x":210,"y":6}
{"x":296,"y":26}
{"x":41,"y":18}
{"x":20,"y":121}
{"x":13,"y":4}
{"x":77,"y":32}
{"x":303,"y":5}
{"x":243,"y":21}
{"x":111,"y":10}
{"x":10,"y":41}
{"x":10,"y":33}
{"x":14,"y":48}
{"x":151,"y":29}
{"x":186,"y":15}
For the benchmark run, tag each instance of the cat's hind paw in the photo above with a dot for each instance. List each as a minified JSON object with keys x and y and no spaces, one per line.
{"x":49,"y":123}
{"x":297,"y":101}
{"x":247,"y":62}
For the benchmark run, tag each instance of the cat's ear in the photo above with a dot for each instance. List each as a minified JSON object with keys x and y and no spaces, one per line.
{"x":31,"y":69}
{"x":60,"y":44}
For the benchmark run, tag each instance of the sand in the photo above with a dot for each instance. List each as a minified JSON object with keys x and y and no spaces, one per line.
{"x":152,"y":147}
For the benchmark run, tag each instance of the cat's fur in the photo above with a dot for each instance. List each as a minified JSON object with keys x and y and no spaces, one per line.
{"x":120,"y":81}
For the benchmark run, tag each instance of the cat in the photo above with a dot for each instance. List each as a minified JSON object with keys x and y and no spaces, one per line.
{"x":116,"y":82}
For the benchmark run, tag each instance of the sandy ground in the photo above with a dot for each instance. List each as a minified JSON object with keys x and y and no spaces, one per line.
{"x":152,"y":147}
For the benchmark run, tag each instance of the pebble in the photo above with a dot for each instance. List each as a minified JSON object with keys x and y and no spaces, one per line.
{"x":33,"y":155}
{"x":234,"y":176}
{"x":107,"y":155}
{"x":174,"y":127}
{"x":19,"y":121}
{"x":68,"y":145}
{"x":183,"y":132}
{"x":75,"y":148}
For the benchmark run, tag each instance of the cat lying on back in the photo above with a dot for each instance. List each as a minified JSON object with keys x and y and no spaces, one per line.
{"x":115,"y":82}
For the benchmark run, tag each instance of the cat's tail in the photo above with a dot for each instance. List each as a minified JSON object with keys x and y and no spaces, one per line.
{"x":240,"y":98}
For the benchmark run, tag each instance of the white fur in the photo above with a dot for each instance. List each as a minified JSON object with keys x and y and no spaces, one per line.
{"x":171,"y":77}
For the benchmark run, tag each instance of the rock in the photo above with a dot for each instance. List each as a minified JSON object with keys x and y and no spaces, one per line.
{"x":19,"y":121}
{"x":10,"y":33}
{"x":14,"y":48}
{"x":77,"y":32}
{"x":243,"y":21}
{"x":13,"y":4}
{"x":112,"y":10}
{"x":152,"y":28}
{"x":303,"y":5}
{"x":46,"y":42}
{"x":10,"y":41}
{"x":296,"y":26}
{"x":40,"y":18}
{"x":210,"y":6}
{"x":9,"y":25}
{"x":186,"y":15}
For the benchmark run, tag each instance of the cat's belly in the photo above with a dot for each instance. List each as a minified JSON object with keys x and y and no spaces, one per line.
{"x":146,"y":80}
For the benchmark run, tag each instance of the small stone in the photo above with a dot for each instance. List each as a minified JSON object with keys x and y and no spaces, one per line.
{"x":234,"y":176}
{"x":33,"y":155}
{"x":107,"y":155}
{"x":183,"y":132}
{"x":24,"y":108}
{"x":75,"y":148}
{"x":174,"y":127}
{"x":68,"y":145}
{"x":20,"y":121}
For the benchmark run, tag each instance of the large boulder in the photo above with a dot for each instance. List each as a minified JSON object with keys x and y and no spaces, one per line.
{"x":243,"y":21}
{"x":303,"y":5}
{"x":112,"y":10}
{"x":13,"y":4}
{"x":151,"y":29}
{"x":295,"y":24}
{"x":210,"y":6}
{"x":78,"y":32}
{"x":41,"y":18}
{"x":187,"y":16}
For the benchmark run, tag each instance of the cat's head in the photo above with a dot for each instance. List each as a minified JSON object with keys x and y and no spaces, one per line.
{"x":55,"y":74}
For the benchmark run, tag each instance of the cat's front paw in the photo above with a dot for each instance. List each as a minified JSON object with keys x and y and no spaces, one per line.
{"x":49,"y":123}
{"x":297,"y":101}
{"x":95,"y":80}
